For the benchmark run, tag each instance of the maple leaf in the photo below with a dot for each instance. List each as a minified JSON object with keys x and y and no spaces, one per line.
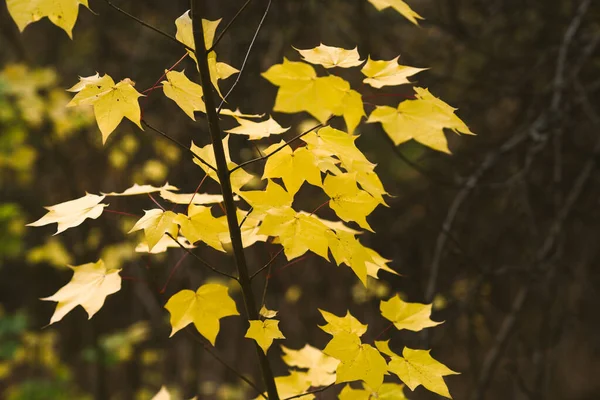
{"x":193,"y":198}
{"x":292,"y":385}
{"x":257,"y":130}
{"x":185,"y":35}
{"x":294,"y":167}
{"x":272,"y":197}
{"x":387,"y":391}
{"x":156,"y":223}
{"x":187,"y":94}
{"x":348,"y":201}
{"x":238,"y":178}
{"x":417,"y":367}
{"x":380,"y":73}
{"x":411,"y":316}
{"x":358,"y":361}
{"x":422,"y":119}
{"x":297,"y":232}
{"x":266,"y":313}
{"x":378,"y":263}
{"x":249,"y":229}
{"x":398,"y":5}
{"x":301,"y":90}
{"x":264,"y":332}
{"x":112,"y":102}
{"x":320,"y":367}
{"x":331,"y":141}
{"x":72,"y":213}
{"x":347,"y":323}
{"x":204,"y":308}
{"x":238,"y":113}
{"x":163,"y":394}
{"x":141,"y":189}
{"x":200,"y":225}
{"x":331,"y":57}
{"x":62,"y":13}
{"x":347,"y":250}
{"x":88,"y":287}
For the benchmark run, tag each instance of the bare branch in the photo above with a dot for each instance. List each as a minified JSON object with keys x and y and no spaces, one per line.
{"x":218,"y":39}
{"x":261,"y":269}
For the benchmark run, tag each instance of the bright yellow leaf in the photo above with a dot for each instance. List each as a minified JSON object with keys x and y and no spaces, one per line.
{"x":201,"y":225}
{"x":264,"y":332}
{"x":290,"y":73}
{"x":387,"y":391}
{"x":187,"y":94}
{"x":238,"y":179}
{"x":358,"y":361}
{"x":378,"y":263}
{"x":331,"y":141}
{"x":272,"y":197}
{"x":266,"y":313}
{"x":292,"y":385}
{"x":297,"y":232}
{"x":249,"y":229}
{"x":163,"y":394}
{"x":400,"y":6}
{"x":320,"y":367}
{"x":142,"y":189}
{"x":204,"y":308}
{"x":411,"y":316}
{"x":347,"y":250}
{"x":348,"y":201}
{"x":112,"y":102}
{"x":331,"y":57}
{"x":417,"y":367}
{"x":163,"y":244}
{"x":72,"y":213}
{"x":257,"y":130}
{"x":380,"y":73}
{"x":349,"y":393}
{"x":347,"y":323}
{"x":62,"y":13}
{"x":156,"y":223}
{"x":293,"y":167}
{"x":89,"y":286}
{"x":423,"y":119}
{"x":193,"y":198}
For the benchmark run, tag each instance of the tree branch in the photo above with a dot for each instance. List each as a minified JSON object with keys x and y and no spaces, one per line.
{"x":237,"y":79}
{"x":178,"y":143}
{"x":310,"y":392}
{"x":147,"y":25}
{"x":261,"y":158}
{"x":197,"y":257}
{"x":218,"y":39}
{"x":261,"y":269}
{"x":227,"y":192}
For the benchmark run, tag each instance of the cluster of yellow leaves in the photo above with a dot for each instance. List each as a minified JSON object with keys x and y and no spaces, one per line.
{"x":62,"y":13}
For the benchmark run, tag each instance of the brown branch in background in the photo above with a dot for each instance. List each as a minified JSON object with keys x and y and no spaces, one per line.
{"x":227,"y":192}
{"x":147,"y":25}
{"x":235,"y":17}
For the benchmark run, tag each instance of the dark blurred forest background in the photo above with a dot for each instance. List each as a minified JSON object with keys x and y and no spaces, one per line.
{"x":503,"y":236}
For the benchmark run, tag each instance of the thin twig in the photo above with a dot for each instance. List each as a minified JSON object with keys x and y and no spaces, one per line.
{"x":218,"y":39}
{"x":261,"y":269}
{"x":261,"y":158}
{"x":178,"y":143}
{"x":237,"y":79}
{"x":310,"y":392}
{"x":165,"y":74}
{"x":217,"y":357}
{"x":147,"y":25}
{"x":246,"y":217}
{"x":197,"y":257}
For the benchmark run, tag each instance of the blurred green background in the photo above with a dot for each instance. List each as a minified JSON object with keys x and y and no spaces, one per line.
{"x":502,"y":236}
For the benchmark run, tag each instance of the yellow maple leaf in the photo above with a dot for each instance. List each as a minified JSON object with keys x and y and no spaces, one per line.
{"x":193,"y":198}
{"x":290,"y":73}
{"x":163,"y":244}
{"x":378,"y":263}
{"x":62,"y":13}
{"x":185,"y":35}
{"x":112,"y":102}
{"x":398,"y":5}
{"x":200,"y":225}
{"x":204,"y":308}
{"x":257,"y":130}
{"x":348,"y":201}
{"x":294,"y":167}
{"x":187,"y":94}
{"x":264,"y":332}
{"x":249,"y":229}
{"x":272,"y":197}
{"x":266,"y":313}
{"x":320,"y":367}
{"x":238,"y":178}
{"x":380,"y":73}
{"x":72,"y":213}
{"x":417,"y":367}
{"x":423,"y":119}
{"x":331,"y":57}
{"x":347,"y":323}
{"x":411,"y":316}
{"x":141,"y":189}
{"x":387,"y":391}
{"x":358,"y":361}
{"x":292,"y":385}
{"x":297,"y":232}
{"x":331,"y":141}
{"x":89,"y":286}
{"x":156,"y":223}
{"x":347,"y":250}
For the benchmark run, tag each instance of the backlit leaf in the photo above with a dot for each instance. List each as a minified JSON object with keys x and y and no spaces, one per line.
{"x":400,"y":6}
{"x":156,"y":223}
{"x":187,"y":94}
{"x":380,"y":73}
{"x":264,"y":332}
{"x":411,"y":316}
{"x":330,"y":57}
{"x":62,"y":13}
